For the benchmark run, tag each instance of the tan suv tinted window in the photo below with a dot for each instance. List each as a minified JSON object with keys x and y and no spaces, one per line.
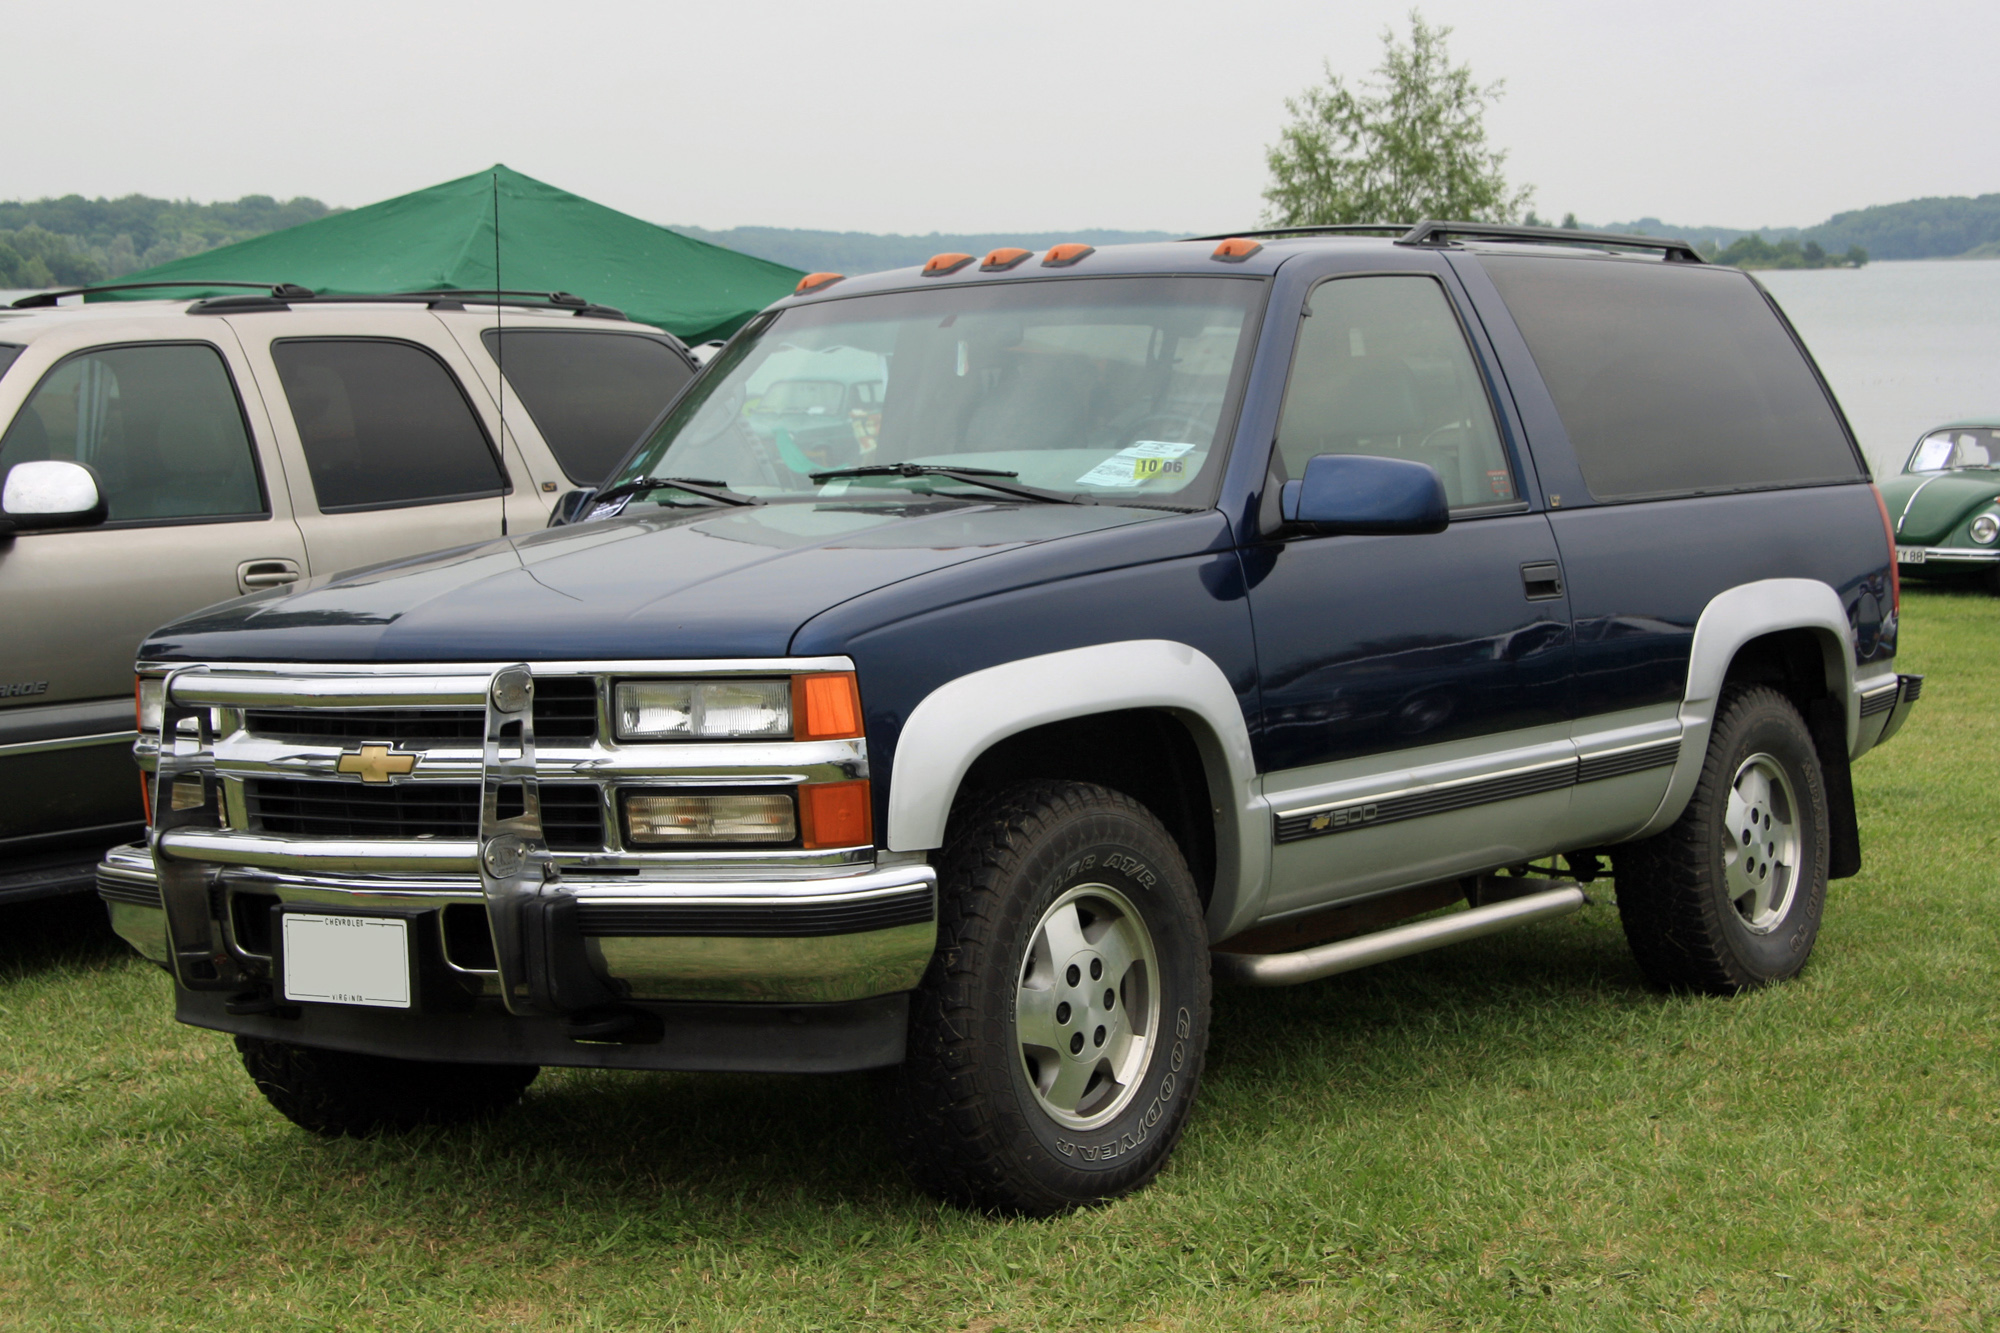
{"x":383,"y":424}
{"x":592,"y":395}
{"x":1382,"y":368}
{"x":158,"y":422}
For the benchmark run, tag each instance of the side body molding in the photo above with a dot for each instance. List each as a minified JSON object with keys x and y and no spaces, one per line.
{"x":1730,"y":620}
{"x":957,"y":722}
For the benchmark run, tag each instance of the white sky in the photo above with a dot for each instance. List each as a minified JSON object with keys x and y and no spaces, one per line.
{"x":921,"y":115}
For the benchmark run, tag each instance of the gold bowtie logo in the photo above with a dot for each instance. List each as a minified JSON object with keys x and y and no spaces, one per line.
{"x":377,"y":763}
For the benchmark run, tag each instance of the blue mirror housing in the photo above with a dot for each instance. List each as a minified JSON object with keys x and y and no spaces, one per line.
{"x":1361,"y":494}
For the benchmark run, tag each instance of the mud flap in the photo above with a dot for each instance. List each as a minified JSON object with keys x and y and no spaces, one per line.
{"x":1827,"y":720}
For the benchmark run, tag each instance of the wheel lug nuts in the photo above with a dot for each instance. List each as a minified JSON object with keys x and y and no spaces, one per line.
{"x":1072,"y":976}
{"x":1096,"y":969}
{"x":1076,"y":1044}
{"x":1062,"y":1013}
{"x":1110,"y":999}
{"x":1097,"y":1039}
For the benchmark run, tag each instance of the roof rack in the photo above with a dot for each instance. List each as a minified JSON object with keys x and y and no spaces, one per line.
{"x":1432,"y":233}
{"x":1325,"y":229}
{"x":43,"y":300}
{"x":1429,"y":232}
{"x":284,"y":295}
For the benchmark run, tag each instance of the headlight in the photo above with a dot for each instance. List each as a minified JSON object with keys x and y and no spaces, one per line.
{"x":704,"y":709}
{"x":1985,"y":528}
{"x":152,"y":703}
{"x":668,"y":817}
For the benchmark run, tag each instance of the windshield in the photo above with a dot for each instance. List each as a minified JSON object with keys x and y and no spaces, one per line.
{"x":1112,"y":389}
{"x":1949,"y":450}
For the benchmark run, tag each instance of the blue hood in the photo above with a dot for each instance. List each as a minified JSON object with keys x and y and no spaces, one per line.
{"x":711,"y":583}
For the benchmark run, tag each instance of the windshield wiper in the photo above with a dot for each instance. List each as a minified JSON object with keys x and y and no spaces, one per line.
{"x":717,"y":491}
{"x":993,"y":479}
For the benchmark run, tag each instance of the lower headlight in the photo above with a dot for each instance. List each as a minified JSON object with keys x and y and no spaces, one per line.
{"x":1985,"y":528}
{"x":653,"y":818}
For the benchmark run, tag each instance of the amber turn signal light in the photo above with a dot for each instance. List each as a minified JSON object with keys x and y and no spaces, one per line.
{"x":1006,"y":257}
{"x":1069,"y":252}
{"x":836,"y":814}
{"x":1236,"y":249}
{"x":826,"y":706}
{"x":949,"y":262}
{"x":812,"y":282}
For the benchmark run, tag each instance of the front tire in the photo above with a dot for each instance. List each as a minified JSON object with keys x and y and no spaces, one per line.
{"x":335,"y":1093}
{"x":1056,"y":1040}
{"x":1730,"y":897}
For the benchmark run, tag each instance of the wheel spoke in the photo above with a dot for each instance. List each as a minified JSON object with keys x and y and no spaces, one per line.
{"x":1072,"y":1077}
{"x":1063,"y":931}
{"x":1035,"y":1019}
{"x":1119,"y":950}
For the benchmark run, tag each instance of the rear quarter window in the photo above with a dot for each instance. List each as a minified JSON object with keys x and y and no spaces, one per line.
{"x":1673,"y":379}
{"x":592,"y":395}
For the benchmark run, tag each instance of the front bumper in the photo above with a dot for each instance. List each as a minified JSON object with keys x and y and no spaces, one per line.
{"x":1947,"y":557}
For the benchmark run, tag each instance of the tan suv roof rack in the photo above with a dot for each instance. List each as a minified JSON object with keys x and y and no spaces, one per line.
{"x":285,"y":295}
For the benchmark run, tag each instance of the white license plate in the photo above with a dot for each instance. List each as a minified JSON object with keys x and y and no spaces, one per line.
{"x":347,"y":959}
{"x":1910,"y":555}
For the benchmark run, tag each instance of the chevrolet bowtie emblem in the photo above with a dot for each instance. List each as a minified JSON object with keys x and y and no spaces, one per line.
{"x":377,"y":763}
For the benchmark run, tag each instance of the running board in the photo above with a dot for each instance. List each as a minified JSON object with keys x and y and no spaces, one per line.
{"x":1290,"y":969}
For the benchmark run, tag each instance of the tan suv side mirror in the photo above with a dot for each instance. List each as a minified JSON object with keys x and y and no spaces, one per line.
{"x":50,"y":493}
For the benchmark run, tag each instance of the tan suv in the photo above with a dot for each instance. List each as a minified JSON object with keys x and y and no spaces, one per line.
{"x":161,"y":455}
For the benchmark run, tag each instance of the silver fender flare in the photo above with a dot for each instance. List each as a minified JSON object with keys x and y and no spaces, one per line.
{"x":1730,"y":620}
{"x":959,"y":721}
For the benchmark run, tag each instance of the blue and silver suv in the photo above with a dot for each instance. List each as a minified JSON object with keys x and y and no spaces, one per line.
{"x":1091,"y":624}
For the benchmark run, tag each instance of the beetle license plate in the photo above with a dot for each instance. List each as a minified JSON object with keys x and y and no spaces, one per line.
{"x":347,"y":959}
{"x":1910,"y":555}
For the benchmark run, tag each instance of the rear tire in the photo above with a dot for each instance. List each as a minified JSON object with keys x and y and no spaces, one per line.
{"x":335,"y":1093}
{"x":1056,"y":1040}
{"x":1730,"y":897}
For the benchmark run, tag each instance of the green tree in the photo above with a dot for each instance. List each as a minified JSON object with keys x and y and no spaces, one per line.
{"x":1409,"y":143}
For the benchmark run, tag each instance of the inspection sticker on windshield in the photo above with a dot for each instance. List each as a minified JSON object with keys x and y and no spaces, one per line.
{"x":1138,"y":463}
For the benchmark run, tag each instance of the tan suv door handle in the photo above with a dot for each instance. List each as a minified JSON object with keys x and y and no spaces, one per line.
{"x":254,"y":574}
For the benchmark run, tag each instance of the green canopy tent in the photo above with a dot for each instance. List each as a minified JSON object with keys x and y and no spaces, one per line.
{"x":550,"y":240}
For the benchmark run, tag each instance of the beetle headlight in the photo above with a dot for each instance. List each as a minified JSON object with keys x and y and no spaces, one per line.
{"x":1985,"y":528}
{"x":658,"y":710}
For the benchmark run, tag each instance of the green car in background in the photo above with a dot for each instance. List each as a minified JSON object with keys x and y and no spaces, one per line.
{"x":1945,"y":508}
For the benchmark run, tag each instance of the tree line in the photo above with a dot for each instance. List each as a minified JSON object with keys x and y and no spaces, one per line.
{"x":71,"y":241}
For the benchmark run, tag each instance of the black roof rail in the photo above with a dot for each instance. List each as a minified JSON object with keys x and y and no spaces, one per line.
{"x":449,"y":298}
{"x":1429,"y":232}
{"x":43,"y":300}
{"x":1323,"y":229}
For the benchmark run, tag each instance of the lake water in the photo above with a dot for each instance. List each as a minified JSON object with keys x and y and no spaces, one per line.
{"x":1905,"y":345}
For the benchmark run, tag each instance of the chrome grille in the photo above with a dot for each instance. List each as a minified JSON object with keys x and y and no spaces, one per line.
{"x":565,"y":710}
{"x":572,"y":813}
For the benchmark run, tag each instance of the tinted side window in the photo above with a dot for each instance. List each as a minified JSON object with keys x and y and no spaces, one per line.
{"x":383,"y":423}
{"x":1672,"y":378}
{"x":160,"y":424}
{"x":1382,"y":368}
{"x":591,"y":394}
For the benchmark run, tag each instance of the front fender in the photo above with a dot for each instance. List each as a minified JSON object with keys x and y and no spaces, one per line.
{"x":959,"y":721}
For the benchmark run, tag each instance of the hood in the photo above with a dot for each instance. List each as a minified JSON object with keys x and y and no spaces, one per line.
{"x":706,"y":584}
{"x":1925,"y":507}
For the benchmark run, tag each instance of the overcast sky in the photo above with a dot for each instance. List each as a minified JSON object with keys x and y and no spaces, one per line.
{"x":887,"y":115}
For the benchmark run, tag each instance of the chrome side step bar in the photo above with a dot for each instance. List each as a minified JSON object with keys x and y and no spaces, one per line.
{"x":1324,"y":960}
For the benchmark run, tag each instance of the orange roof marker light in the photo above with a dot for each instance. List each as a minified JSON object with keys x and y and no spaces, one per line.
{"x":812,"y":282}
{"x":1069,"y":252}
{"x":949,"y":262}
{"x":1236,"y":249}
{"x":1006,"y":257}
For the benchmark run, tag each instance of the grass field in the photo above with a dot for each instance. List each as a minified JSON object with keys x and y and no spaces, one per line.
{"x":1511,"y":1134}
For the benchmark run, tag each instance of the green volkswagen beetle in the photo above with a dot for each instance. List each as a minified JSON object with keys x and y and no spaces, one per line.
{"x":1945,"y":507}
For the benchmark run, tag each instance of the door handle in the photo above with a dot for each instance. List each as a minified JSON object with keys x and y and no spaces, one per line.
{"x":254,"y":574}
{"x":1542,"y":580}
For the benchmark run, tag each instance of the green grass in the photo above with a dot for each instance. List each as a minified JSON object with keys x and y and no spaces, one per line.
{"x":1511,"y":1134}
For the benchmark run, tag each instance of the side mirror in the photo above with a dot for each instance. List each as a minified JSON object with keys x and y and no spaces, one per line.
{"x":570,"y":507}
{"x":1361,"y":494}
{"x":50,"y":493}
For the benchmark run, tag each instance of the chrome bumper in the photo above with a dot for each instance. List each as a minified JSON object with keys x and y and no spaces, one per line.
{"x":847,"y":937}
